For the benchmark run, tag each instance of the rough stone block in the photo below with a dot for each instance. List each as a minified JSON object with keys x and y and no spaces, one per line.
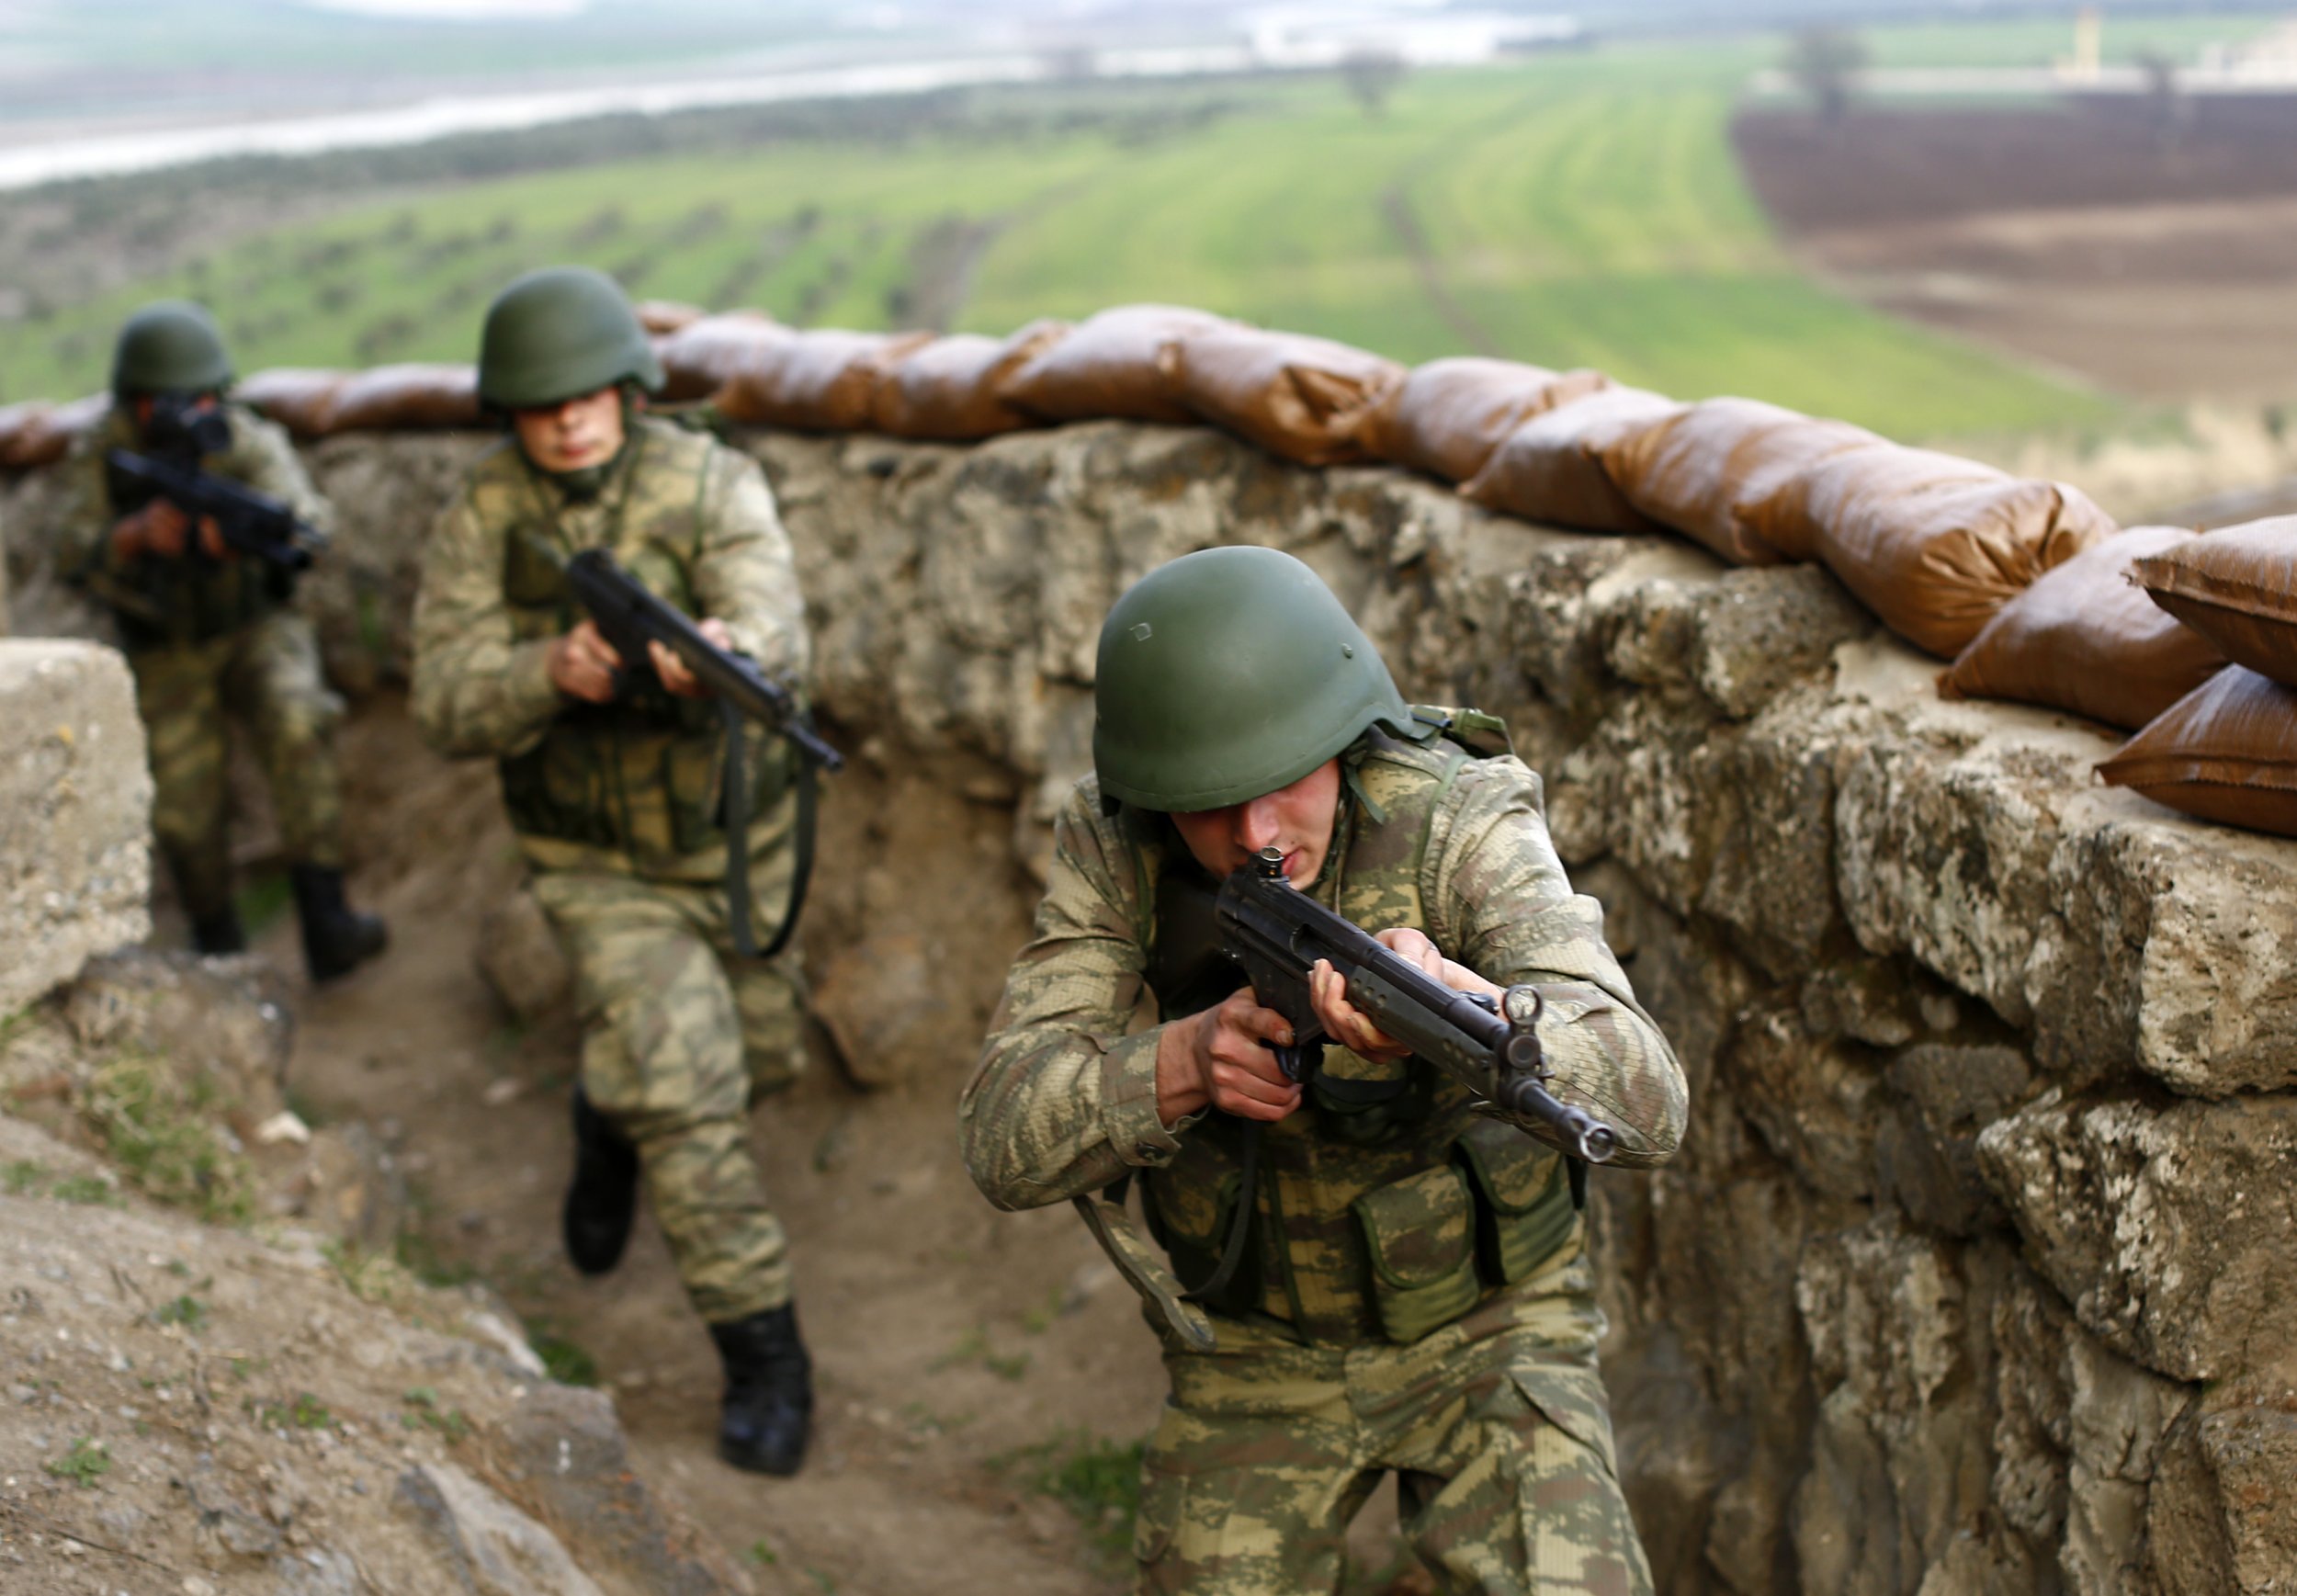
{"x":2169,"y":1231}
{"x":75,"y":806}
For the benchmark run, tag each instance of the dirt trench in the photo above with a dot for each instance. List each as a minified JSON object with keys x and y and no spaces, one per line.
{"x":960,"y":1353}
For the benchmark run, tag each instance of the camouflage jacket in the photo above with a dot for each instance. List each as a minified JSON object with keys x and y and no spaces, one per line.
{"x":162,"y":601}
{"x":631,"y":789}
{"x":1365,"y":1229}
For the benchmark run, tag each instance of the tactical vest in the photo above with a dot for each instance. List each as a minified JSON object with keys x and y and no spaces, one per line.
{"x":645,"y":775}
{"x":164,"y":603}
{"x":1382,"y":1208}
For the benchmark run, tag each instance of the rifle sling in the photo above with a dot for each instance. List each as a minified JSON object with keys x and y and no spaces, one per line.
{"x":738,"y":908}
{"x":1240,"y":1226}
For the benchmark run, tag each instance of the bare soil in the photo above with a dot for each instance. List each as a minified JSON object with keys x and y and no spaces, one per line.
{"x":2155,"y":263}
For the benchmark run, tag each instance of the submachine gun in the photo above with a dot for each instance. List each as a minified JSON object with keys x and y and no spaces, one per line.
{"x":1276,"y":934}
{"x":252,"y":523}
{"x":629,"y":617}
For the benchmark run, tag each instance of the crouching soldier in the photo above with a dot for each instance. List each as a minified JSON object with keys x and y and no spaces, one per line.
{"x":615,"y":791}
{"x":1364,"y":1274}
{"x":211,"y":633}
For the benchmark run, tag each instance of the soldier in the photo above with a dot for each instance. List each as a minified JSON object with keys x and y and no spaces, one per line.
{"x":616,"y":800}
{"x":209,"y":634}
{"x":1378,"y":1278}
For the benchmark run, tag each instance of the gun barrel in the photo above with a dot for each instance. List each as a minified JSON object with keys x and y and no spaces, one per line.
{"x":250,"y":522}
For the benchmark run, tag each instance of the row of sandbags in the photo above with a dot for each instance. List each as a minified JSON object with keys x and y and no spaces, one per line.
{"x":2021,"y":581}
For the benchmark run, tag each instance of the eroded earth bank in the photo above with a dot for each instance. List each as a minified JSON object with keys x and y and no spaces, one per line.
{"x":1977,"y":1273}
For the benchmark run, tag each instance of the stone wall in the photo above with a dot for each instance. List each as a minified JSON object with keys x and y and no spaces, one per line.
{"x":1976,"y":1272}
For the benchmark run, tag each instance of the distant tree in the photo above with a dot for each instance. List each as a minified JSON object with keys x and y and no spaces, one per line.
{"x":1825,"y":63}
{"x":2168,"y":107}
{"x":1372,"y":72}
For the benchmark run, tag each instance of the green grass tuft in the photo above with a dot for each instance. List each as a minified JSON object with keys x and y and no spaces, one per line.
{"x":88,"y":1461}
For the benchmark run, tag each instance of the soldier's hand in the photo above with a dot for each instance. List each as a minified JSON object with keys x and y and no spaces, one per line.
{"x":157,"y":528}
{"x":211,"y":542}
{"x":582,"y":664}
{"x":1222,"y":1057}
{"x":673,"y":670}
{"x":1347,"y":1024}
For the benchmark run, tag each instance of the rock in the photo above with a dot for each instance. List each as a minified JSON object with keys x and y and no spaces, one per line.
{"x":2222,"y":1516}
{"x":2169,"y":1231}
{"x":1816,"y":1103}
{"x":521,"y":959}
{"x":76,"y":805}
{"x":350,"y":1186}
{"x":492,"y":1548}
{"x":226,"y":1022}
{"x":1926,"y":1150}
{"x":575,"y":1471}
{"x":881,"y":1000}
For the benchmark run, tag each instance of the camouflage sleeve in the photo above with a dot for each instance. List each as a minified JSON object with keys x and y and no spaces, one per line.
{"x":84,"y":519}
{"x":1063,"y":1100}
{"x":263,"y":458}
{"x":1502,"y":906}
{"x":746,"y":576}
{"x":477,"y":691}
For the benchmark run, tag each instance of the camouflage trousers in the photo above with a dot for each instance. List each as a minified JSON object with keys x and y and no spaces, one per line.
{"x":679,"y":1036}
{"x":266,"y":674}
{"x":1496,"y":1426}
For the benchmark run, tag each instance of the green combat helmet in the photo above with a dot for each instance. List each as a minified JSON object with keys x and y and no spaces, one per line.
{"x":558,"y":334}
{"x":173,"y":347}
{"x":1228,"y":673}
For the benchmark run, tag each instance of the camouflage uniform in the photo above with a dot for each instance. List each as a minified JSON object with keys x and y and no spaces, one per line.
{"x":616,"y":812}
{"x":210,"y":638}
{"x":1414,"y":1296}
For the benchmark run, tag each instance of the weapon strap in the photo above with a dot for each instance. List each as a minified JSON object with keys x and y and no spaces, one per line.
{"x":1241,"y":1225}
{"x":738,"y":908}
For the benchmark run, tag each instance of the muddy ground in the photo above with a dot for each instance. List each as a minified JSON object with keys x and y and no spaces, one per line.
{"x":2153,"y":259}
{"x":962,"y":1354}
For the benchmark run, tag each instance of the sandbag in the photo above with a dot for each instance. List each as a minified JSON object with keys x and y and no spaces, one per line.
{"x":1122,"y":363}
{"x":702,"y":357}
{"x":1446,"y":418}
{"x":1551,"y":469}
{"x":822,"y":380}
{"x":2226,"y":751}
{"x":2085,"y":638}
{"x":406,"y":398}
{"x":300,"y":400}
{"x":1934,"y":544}
{"x":1714,"y":471}
{"x":2238,"y":588}
{"x":662,"y":316}
{"x":950,"y":389}
{"x":1296,"y":396}
{"x":36,"y":433}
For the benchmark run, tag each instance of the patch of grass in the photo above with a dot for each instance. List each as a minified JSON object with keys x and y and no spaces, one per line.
{"x":763,"y":1554}
{"x":1007,"y":1368}
{"x":369,"y":1276}
{"x":823,"y":1581}
{"x":158,"y":1130}
{"x":566,"y":1362}
{"x":1097,"y":1479}
{"x":306,"y":1413}
{"x":424,"y":1413}
{"x":1039,"y":1320}
{"x":90,"y":1189}
{"x":185,"y":1310}
{"x":88,"y":1461}
{"x":420,"y":1256}
{"x":262,"y":898}
{"x":973,"y":1348}
{"x":22,"y":1176}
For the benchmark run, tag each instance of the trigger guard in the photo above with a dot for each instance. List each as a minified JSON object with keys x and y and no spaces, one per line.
{"x":1299,"y":1061}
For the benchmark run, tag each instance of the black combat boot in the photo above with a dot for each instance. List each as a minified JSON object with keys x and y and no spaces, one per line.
{"x":602,"y":1199}
{"x":769,"y":1392}
{"x":219,"y":932}
{"x":337,"y":938}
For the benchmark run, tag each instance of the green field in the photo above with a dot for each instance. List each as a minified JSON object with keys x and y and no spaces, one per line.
{"x":1570,"y":209}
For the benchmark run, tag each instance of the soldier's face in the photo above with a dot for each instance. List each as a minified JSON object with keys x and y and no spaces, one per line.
{"x":1296,"y":819}
{"x":572,"y":435}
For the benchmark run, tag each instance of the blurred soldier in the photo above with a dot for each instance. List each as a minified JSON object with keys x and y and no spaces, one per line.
{"x":209,"y":634}
{"x":1376,"y":1278}
{"x":615,"y":797}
